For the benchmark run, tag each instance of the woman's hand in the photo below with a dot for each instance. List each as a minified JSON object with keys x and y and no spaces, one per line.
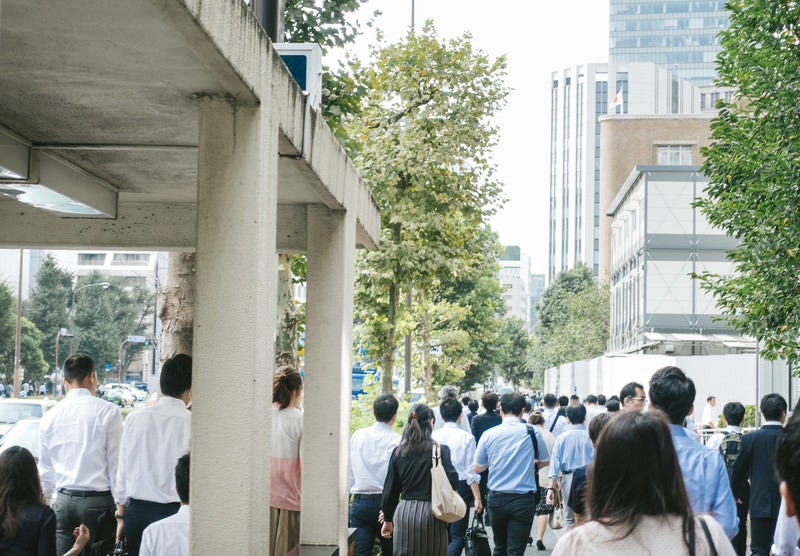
{"x":478,"y":505}
{"x":387,"y":530}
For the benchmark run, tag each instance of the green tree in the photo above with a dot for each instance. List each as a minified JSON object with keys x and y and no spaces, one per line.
{"x":752,"y":164}
{"x":49,"y":304}
{"x":31,"y":358}
{"x":573,"y":320}
{"x":105,"y":317}
{"x":513,"y":364}
{"x":425,"y":146}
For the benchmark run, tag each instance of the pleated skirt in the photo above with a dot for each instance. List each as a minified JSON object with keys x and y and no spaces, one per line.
{"x":417,"y":532}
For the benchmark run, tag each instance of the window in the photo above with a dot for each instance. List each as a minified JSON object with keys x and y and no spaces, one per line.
{"x":91,"y":259}
{"x":131,"y":259}
{"x":674,"y":155}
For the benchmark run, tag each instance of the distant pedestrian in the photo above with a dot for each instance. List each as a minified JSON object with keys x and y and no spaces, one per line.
{"x":577,"y":493}
{"x":285,"y":467}
{"x":409,"y":521}
{"x":636,"y":498}
{"x":481,"y":423}
{"x":445,"y":393}
{"x":370,"y":450}
{"x":632,"y":396}
{"x":710,"y":414}
{"x":473,"y":411}
{"x":543,"y":509}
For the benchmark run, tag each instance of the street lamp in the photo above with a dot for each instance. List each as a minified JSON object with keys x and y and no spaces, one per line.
{"x":71,"y":315}
{"x":62,"y":333}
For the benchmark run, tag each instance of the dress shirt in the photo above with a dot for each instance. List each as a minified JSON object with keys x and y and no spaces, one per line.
{"x":572,"y":450}
{"x":153,"y":439}
{"x":508,"y":451}
{"x":169,"y":536}
{"x":710,"y":415}
{"x":551,"y":415}
{"x":787,"y":534}
{"x":715,"y":440}
{"x":370,"y":450}
{"x":439,"y":423}
{"x":706,"y":480}
{"x":462,"y":450}
{"x":79,"y":444}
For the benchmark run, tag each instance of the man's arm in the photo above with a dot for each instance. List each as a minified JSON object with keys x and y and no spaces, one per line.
{"x":480,"y":463}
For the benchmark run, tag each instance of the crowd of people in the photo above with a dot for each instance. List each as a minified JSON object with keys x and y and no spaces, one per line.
{"x":634,"y":474}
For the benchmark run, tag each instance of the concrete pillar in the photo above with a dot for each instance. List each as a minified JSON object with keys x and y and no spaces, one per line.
{"x":328,"y":372}
{"x":234,"y":328}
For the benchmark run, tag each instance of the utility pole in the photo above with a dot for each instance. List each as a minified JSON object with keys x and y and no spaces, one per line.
{"x":18,"y":337}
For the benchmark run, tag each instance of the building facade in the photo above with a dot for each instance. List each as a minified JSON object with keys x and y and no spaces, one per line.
{"x":580,"y":96}
{"x":677,"y":34}
{"x":515,"y":276}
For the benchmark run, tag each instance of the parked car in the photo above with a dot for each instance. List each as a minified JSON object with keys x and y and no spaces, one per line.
{"x":137,"y":394}
{"x":141,"y":386}
{"x":25,"y":433}
{"x":120,"y":396}
{"x":13,"y":409}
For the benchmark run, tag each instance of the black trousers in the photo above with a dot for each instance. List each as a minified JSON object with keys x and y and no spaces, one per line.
{"x":140,"y":514}
{"x":739,"y":542}
{"x":512,"y":517}
{"x":762,"y":531}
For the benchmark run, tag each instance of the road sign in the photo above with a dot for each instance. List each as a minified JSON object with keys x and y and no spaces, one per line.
{"x":136,"y":339}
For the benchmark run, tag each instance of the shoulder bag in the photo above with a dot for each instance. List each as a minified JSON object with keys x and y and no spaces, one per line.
{"x":446,"y":504}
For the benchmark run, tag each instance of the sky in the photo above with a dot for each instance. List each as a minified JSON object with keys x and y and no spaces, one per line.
{"x":537,"y":37}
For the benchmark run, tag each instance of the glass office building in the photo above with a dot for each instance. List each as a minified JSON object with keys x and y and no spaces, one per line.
{"x":680,"y":35}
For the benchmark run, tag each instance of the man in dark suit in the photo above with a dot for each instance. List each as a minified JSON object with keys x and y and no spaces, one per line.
{"x":756,"y":463}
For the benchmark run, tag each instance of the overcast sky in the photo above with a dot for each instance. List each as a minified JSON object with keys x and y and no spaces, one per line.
{"x":538,"y":37}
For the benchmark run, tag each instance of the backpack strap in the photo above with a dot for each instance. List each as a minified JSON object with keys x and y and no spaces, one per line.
{"x":532,"y":434}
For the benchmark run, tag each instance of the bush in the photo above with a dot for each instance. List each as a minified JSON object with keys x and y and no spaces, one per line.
{"x":361,"y":411}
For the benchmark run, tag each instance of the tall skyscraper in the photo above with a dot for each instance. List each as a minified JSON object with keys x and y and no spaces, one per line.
{"x":579,"y":97}
{"x":677,"y":34}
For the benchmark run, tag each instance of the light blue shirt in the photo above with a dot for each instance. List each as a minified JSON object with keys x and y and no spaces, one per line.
{"x":573,"y":449}
{"x":706,"y":480}
{"x":508,"y":451}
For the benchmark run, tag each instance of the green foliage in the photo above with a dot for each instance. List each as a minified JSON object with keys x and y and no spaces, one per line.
{"x":49,"y":304}
{"x":513,"y":364}
{"x":573,"y":320}
{"x":31,"y":358}
{"x":104,"y":318}
{"x":425,"y":142}
{"x":361,"y":410}
{"x":752,"y":163}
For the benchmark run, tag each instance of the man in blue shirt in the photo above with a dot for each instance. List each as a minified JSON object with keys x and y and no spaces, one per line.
{"x":703,"y":469}
{"x":573,"y":449}
{"x":507,"y":451}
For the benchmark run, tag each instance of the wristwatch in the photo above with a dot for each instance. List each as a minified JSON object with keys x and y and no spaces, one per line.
{"x":119,"y":516}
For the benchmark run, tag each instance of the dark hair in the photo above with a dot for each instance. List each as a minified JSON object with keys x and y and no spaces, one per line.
{"x":591,"y":398}
{"x":465,"y":400}
{"x":601,"y":399}
{"x":615,"y":397}
{"x":673,"y":393}
{"x":787,"y":458}
{"x":512,"y":404}
{"x":563,"y":401}
{"x":176,"y":375}
{"x":550,"y":401}
{"x":417,"y":434}
{"x":733,"y":413}
{"x":285,"y":382}
{"x":473,"y":405}
{"x":612,"y":406}
{"x":385,"y":407}
{"x":19,"y":487}
{"x":536,"y":418}
{"x":709,"y":398}
{"x":773,"y":406}
{"x":625,"y":488}
{"x":629,"y":390}
{"x":576,"y":414}
{"x":489,"y":400}
{"x":574,"y":398}
{"x":182,"y":478}
{"x":77,"y":367}
{"x":596,"y":426}
{"x":450,"y":410}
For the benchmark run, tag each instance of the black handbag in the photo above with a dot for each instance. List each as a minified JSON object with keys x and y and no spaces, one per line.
{"x":476,"y":541}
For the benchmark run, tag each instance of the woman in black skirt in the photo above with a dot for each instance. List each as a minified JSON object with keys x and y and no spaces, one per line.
{"x":410,"y":523}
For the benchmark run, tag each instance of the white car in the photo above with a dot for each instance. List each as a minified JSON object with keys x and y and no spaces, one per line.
{"x":13,"y":409}
{"x":138,"y":395}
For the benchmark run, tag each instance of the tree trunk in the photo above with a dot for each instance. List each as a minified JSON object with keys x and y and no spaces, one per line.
{"x":286,"y":329}
{"x":390,"y":339}
{"x":177,"y":306}
{"x":425,"y":338}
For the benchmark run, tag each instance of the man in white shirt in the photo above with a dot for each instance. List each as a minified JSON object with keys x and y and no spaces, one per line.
{"x":370,"y":449}
{"x":462,"y":452}
{"x":554,"y":422}
{"x":710,"y":414}
{"x":446,"y":393}
{"x":170,"y":536}
{"x":79,"y":452}
{"x":152,"y":441}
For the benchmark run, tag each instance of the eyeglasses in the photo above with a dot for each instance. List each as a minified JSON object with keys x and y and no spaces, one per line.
{"x":637,"y":398}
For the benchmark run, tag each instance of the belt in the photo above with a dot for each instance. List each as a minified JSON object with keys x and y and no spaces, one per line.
{"x":84,"y":493}
{"x":566,"y":472}
{"x":366,"y":496}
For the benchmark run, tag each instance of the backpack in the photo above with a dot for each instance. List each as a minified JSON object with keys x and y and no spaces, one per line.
{"x":729,"y":448}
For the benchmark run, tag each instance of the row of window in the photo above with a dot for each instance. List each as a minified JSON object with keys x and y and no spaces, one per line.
{"x":672,"y":7}
{"x":118,"y":259}
{"x":665,"y":41}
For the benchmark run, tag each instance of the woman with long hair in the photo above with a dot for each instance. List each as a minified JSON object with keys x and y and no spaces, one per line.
{"x":285,"y":467}
{"x":27,"y":523}
{"x":543,"y":509}
{"x":410,"y":522}
{"x":636,"y":497}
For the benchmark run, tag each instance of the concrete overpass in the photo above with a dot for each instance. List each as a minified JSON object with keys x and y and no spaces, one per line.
{"x":176,"y":126}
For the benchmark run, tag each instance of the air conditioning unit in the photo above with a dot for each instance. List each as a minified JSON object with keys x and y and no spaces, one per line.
{"x":304,"y":61}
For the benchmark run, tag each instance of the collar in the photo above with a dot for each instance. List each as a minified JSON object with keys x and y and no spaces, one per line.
{"x":512,"y":419}
{"x":578,"y":427}
{"x":382,"y":426}
{"x":772,"y":423}
{"x":733,"y":428}
{"x":169,"y":400}
{"x":451,"y":425}
{"x":677,"y":430}
{"x":73,"y":392}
